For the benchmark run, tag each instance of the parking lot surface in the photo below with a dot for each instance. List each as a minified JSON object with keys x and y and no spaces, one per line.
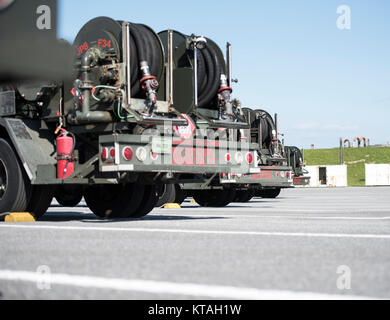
{"x":305,"y":244}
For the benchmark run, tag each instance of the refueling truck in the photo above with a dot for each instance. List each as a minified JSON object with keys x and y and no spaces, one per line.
{"x":276,"y":170}
{"x":143,"y":111}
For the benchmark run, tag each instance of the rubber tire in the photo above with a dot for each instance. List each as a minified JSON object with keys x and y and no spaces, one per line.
{"x":148,"y":202}
{"x":268,"y":193}
{"x":68,"y":196}
{"x":114,"y":201}
{"x":180,"y":194}
{"x":243,"y":196}
{"x":214,"y":198}
{"x":18,"y":190}
{"x":168,"y":195}
{"x":40,"y":200}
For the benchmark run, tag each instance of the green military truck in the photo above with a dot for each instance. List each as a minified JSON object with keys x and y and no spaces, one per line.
{"x":141,"y":112}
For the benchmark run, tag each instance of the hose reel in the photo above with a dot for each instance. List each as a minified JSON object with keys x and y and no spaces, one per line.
{"x":295,"y":157}
{"x":210,"y":73}
{"x":101,"y":72}
{"x":263,"y":129}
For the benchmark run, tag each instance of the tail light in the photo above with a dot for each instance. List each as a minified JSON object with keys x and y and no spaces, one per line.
{"x":141,"y":154}
{"x":249,"y":158}
{"x":104,"y":154}
{"x":154,"y":156}
{"x":227,"y":157}
{"x":112,"y":152}
{"x":239,"y":157}
{"x":127,"y":153}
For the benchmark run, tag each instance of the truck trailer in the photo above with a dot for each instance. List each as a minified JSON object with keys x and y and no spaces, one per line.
{"x":142,"y":111}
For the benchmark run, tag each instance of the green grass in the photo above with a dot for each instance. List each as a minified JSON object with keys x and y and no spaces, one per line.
{"x":356,"y":174}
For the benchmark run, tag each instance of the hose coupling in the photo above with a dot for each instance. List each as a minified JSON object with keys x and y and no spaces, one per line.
{"x":149,"y":84}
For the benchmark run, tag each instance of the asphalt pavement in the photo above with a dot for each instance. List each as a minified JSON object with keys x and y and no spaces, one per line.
{"x":306,"y":244}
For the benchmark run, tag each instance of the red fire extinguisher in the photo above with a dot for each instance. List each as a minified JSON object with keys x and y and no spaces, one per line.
{"x":65,"y":158}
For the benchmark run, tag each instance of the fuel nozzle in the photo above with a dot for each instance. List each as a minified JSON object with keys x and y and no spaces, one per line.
{"x":224,"y":96}
{"x":150,"y":85}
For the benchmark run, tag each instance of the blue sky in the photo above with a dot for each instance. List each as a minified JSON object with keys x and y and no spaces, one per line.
{"x":289,"y":56}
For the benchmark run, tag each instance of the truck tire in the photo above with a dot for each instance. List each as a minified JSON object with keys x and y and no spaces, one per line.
{"x":40,"y":200}
{"x":214,"y":198}
{"x":15,"y":189}
{"x":114,"y":201}
{"x":243,"y":195}
{"x":168,"y":195}
{"x":148,"y":202}
{"x":180,"y":194}
{"x":68,"y":196}
{"x":268,"y":193}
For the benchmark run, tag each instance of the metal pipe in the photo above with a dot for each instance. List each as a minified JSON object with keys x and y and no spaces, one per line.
{"x":86,"y":61}
{"x":126,"y":58}
{"x":89,"y":117}
{"x":260,"y":134}
{"x":276,"y":126}
{"x":170,"y":67}
{"x":195,"y":75}
{"x":229,"y":63}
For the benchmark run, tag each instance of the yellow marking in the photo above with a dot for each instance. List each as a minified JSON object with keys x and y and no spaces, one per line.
{"x":172,"y":206}
{"x":192,"y":201}
{"x":19,"y":217}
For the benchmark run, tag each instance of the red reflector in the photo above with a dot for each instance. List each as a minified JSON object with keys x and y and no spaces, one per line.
{"x":112,"y":152}
{"x":287,"y":174}
{"x":249,"y":158}
{"x":228,"y":157}
{"x":154,"y":156}
{"x":127,"y":153}
{"x":104,"y":154}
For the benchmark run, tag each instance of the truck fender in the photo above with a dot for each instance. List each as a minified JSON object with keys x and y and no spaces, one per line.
{"x":33,"y":145}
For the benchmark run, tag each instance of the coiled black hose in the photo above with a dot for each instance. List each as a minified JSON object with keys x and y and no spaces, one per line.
{"x":296,"y":157}
{"x":256,"y":118}
{"x":144,"y":47}
{"x":209,"y":75}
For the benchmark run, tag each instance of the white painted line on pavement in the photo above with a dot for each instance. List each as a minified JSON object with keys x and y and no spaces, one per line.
{"x":278,"y":209}
{"x":269,"y":216}
{"x":164,"y":287}
{"x":194,"y":231}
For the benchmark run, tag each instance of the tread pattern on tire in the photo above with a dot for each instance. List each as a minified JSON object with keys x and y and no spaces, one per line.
{"x":40,"y":200}
{"x":148,"y":202}
{"x":180,"y":194}
{"x":168,"y":196}
{"x":67,"y":197}
{"x":214,"y":198}
{"x":114,"y":201}
{"x":268,"y":193}
{"x":243,"y":196}
{"x":18,"y":191}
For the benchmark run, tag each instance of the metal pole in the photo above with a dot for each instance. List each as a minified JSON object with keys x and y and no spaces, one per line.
{"x":170,"y":68}
{"x":229,"y":63}
{"x":126,"y":54}
{"x":260,"y":133}
{"x":341,"y":151}
{"x":196,"y":75}
{"x":276,"y":125}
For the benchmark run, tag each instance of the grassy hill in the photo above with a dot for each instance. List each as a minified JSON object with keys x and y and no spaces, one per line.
{"x":355,"y":158}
